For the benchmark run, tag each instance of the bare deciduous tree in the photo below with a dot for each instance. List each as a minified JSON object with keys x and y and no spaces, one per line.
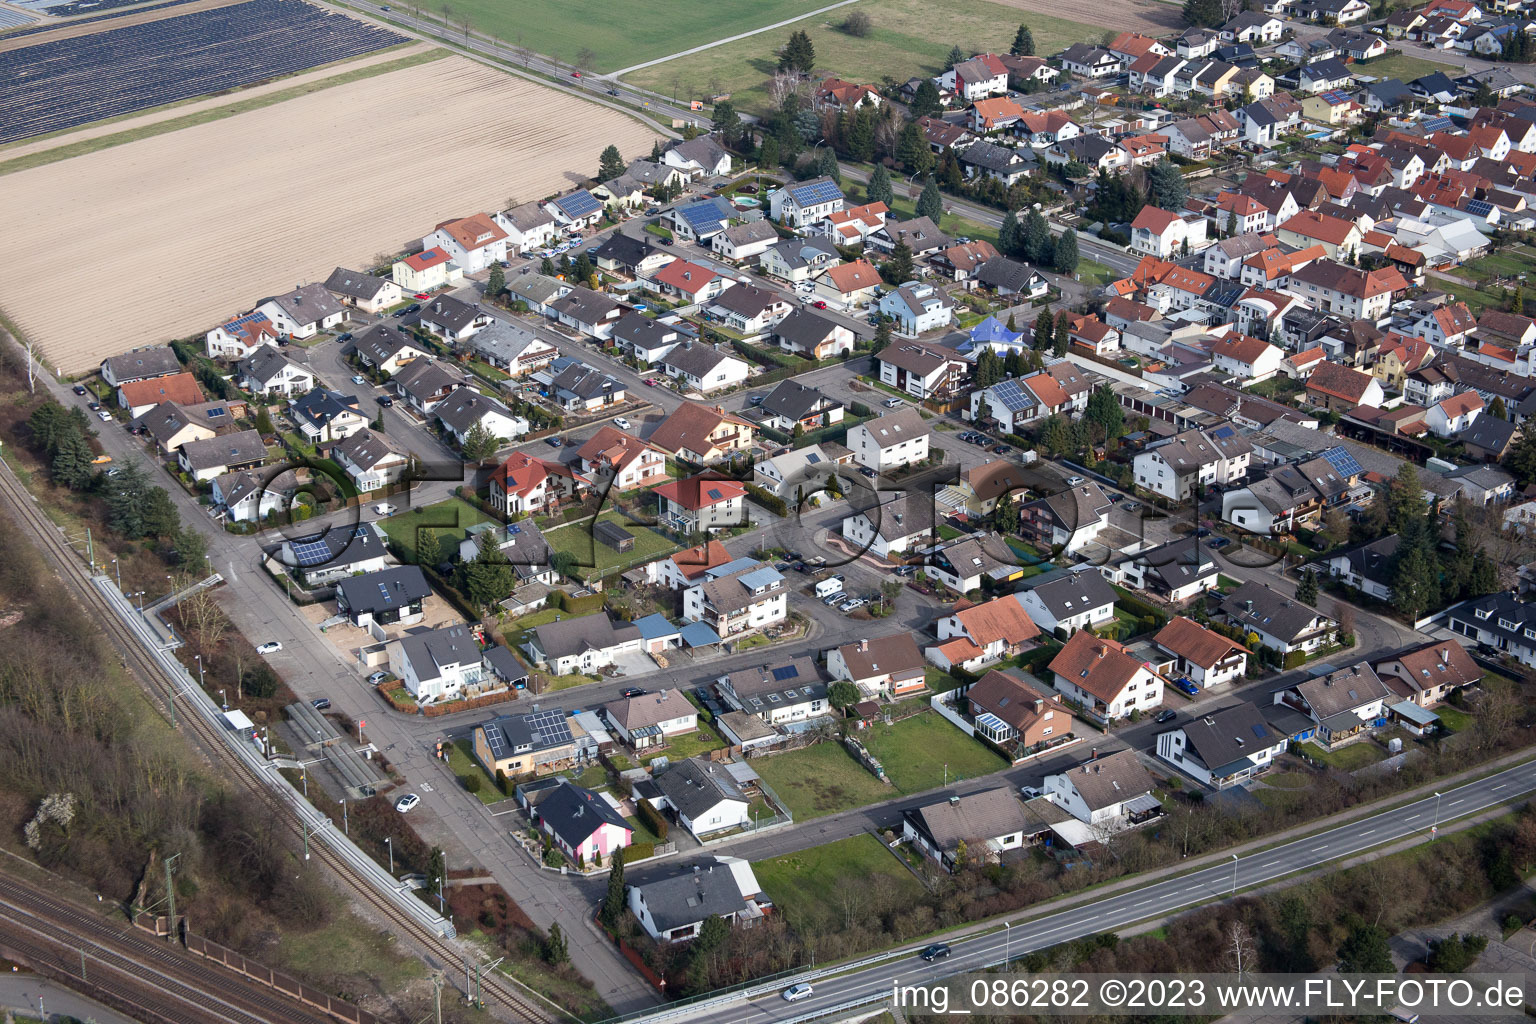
{"x":783,"y":85}
{"x":1240,"y":954}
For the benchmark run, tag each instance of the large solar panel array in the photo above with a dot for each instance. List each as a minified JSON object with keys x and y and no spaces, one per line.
{"x":701,"y":215}
{"x":1437,"y":124}
{"x":1014,"y":397}
{"x":1479,"y":207}
{"x":61,"y":83}
{"x":812,"y":193}
{"x":61,"y":11}
{"x":549,"y":728}
{"x":579,"y":204}
{"x":1343,"y":463}
{"x":312,"y":551}
{"x":785,"y":672}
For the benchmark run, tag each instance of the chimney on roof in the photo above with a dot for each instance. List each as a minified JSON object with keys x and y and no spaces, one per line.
{"x":1249,"y":603}
{"x":1100,"y":652}
{"x":863,"y":645}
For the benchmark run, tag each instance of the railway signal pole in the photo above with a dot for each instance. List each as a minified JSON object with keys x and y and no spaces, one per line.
{"x":170,"y":898}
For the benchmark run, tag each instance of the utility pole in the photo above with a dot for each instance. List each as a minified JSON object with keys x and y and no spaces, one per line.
{"x":170,"y":893}
{"x":344,"y":826}
{"x":437,"y":995}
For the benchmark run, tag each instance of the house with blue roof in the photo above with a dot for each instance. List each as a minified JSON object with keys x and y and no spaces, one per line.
{"x":805,"y":204}
{"x":992,"y":334}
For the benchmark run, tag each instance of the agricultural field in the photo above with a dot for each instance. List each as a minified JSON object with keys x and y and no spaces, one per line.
{"x":57,"y":83}
{"x":178,"y":235}
{"x":589,"y":34}
{"x":908,"y":38}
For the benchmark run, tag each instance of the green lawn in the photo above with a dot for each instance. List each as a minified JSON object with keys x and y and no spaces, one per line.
{"x":461,"y":759}
{"x":1453,"y":719}
{"x":920,"y":752}
{"x":905,"y":208}
{"x":518,"y":629}
{"x":939,"y":680}
{"x":449,"y":518}
{"x":1354,"y":756}
{"x":591,"y":554}
{"x":947,"y":532}
{"x":587,"y":32}
{"x":1095,"y":274}
{"x":680,"y":748}
{"x":821,"y":779}
{"x":909,"y":37}
{"x":804,"y":886}
{"x":1405,"y":66}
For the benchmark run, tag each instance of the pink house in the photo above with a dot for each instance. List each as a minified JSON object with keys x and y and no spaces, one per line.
{"x":583,"y":825}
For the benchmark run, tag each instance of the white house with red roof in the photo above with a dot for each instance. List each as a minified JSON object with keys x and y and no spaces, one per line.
{"x":630,"y":461}
{"x":1299,"y":365}
{"x":687,"y":568}
{"x":423,"y":271}
{"x":1447,"y":325}
{"x":1455,"y":414}
{"x":1247,"y":357}
{"x":982,"y":76}
{"x":1156,"y":232}
{"x":688,"y":281}
{"x":474,"y":242}
{"x":526,"y":484}
{"x":701,"y":503}
{"x":837,"y":94}
{"x":978,"y":635}
{"x":856,"y":223}
{"x":241,"y":337}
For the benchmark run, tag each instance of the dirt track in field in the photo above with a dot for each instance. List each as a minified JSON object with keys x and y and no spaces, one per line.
{"x":169,"y":236}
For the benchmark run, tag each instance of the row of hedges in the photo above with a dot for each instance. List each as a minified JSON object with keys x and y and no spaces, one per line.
{"x":388,"y":689}
{"x":452,"y":706}
{"x":637,"y":851}
{"x":1141,"y":609}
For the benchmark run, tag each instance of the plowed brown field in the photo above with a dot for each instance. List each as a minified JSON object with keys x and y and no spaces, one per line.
{"x":168,"y":236}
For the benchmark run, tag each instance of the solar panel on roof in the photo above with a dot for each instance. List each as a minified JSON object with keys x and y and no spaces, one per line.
{"x":813,"y":193}
{"x":1438,"y":124}
{"x":786,"y":672}
{"x":1479,"y":207}
{"x":514,"y":528}
{"x":714,"y":492}
{"x":1344,"y":463}
{"x":1258,"y":730}
{"x":813,"y":457}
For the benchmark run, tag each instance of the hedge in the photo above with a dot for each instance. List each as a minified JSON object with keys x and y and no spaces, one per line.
{"x":652,"y":818}
{"x":1140,"y":608}
{"x":768,"y":501}
{"x":587,"y":605}
{"x":1295,"y":659}
{"x":638,"y":851}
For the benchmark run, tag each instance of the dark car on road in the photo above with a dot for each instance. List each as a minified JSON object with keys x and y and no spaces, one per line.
{"x":635,"y":691}
{"x":1166,"y":715}
{"x":937,"y":951}
{"x":79,"y":389}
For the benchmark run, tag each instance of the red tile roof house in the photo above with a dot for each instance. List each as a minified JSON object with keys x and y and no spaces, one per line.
{"x":525,"y":484}
{"x":701,"y":503}
{"x":1156,"y":232}
{"x":688,"y":281}
{"x":977,"y":635}
{"x":1014,"y":715}
{"x":1341,"y":388}
{"x":1426,"y":674}
{"x":687,"y":568}
{"x":1249,"y":358}
{"x":474,"y":242}
{"x":1201,"y":655}
{"x":630,"y":461}
{"x":1454,"y":414}
{"x":140,"y":396}
{"x":888,"y":666}
{"x":1105,"y":679}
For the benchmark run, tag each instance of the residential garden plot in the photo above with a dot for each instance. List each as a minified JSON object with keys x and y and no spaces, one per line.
{"x":1406,"y":66}
{"x":449,"y":520}
{"x":920,"y":752}
{"x":59,"y":83}
{"x":908,"y":37}
{"x":595,"y":35}
{"x":821,"y":779}
{"x":598,"y":559}
{"x":805,"y":886}
{"x":461,"y":137}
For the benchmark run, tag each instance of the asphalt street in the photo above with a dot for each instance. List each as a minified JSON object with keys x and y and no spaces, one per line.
{"x":1151,"y":901}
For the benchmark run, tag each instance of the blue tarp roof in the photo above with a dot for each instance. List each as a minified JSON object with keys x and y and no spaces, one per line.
{"x":698,"y":634}
{"x":655,"y":627}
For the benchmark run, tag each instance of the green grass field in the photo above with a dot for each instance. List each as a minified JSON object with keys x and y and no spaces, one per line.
{"x":450,"y":519}
{"x":908,"y":38}
{"x":1405,"y":66}
{"x":1348,"y":758}
{"x":598,"y":559}
{"x":821,"y":779}
{"x":596,"y":35}
{"x":804,"y":886}
{"x":916,"y":751}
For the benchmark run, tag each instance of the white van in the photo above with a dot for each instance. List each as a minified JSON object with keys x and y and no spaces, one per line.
{"x":830,"y":585}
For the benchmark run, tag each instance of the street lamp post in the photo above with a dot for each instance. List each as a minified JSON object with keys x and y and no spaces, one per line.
{"x":119,"y":570}
{"x":304,"y":778}
{"x":1234,"y":874}
{"x":389,"y":841}
{"x":1435,"y":828}
{"x":345,"y":827}
{"x":223,"y":703}
{"x":200,"y":680}
{"x":1007,"y":943}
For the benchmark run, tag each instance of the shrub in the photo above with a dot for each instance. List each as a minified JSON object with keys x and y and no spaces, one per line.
{"x":652,"y":818}
{"x":768,"y":501}
{"x":1295,"y":659}
{"x":553,"y":857}
{"x":638,"y":851}
{"x":471,"y":782}
{"x":501,"y":780}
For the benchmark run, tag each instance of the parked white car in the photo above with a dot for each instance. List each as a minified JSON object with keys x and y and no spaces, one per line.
{"x":406,"y":802}
{"x":384,"y":508}
{"x":621,"y":422}
{"x":270,"y":647}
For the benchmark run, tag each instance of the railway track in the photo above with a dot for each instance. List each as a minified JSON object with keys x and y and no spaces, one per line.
{"x":495,"y":989}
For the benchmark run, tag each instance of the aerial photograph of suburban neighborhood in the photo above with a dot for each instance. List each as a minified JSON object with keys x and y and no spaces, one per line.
{"x":767,"y":511}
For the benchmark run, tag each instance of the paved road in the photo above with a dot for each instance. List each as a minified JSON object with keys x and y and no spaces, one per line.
{"x":32,"y":994}
{"x":1157,"y":899}
{"x":728,"y":39}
